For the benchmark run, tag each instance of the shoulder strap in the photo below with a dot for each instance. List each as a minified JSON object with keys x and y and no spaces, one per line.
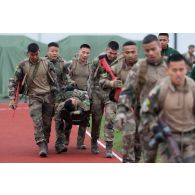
{"x":141,"y":77}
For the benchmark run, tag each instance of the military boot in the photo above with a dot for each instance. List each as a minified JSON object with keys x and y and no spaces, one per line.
{"x":43,"y":149}
{"x":109,"y":145}
{"x":94,"y":147}
{"x":61,"y":148}
{"x":80,"y":143}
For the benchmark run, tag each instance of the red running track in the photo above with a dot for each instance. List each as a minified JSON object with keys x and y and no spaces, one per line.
{"x":17,"y":143}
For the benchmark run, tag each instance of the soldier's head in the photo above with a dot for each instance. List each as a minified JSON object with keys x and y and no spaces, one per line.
{"x":152,"y":48}
{"x":130,"y":52}
{"x":191,"y":49}
{"x":177,"y":69}
{"x":84,"y":52}
{"x":71,"y":104}
{"x":112,"y":50}
{"x":164,"y":40}
{"x":33,"y":52}
{"x":53,"y":50}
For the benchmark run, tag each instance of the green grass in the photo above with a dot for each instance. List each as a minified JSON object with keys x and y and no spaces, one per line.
{"x":117,"y":145}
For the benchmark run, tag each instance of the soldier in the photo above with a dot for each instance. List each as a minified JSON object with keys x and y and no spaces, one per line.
{"x":164,"y":40}
{"x":173,"y":101}
{"x":39,"y":79}
{"x":190,"y":58}
{"x":100,"y":86}
{"x":138,"y":85}
{"x":79,"y":69}
{"x":62,"y":79}
{"x":122,"y":66}
{"x":75,"y":109}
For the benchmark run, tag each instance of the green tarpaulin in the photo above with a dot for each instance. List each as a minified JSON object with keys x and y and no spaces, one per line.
{"x":13,"y":50}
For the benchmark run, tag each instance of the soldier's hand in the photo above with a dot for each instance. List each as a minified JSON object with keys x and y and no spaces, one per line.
{"x":116,"y":83}
{"x":120,"y":121}
{"x":12,"y":104}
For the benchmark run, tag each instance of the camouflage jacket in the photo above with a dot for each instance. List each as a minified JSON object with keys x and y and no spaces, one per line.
{"x":63,"y":78}
{"x":143,"y":77}
{"x":40,"y":84}
{"x":99,"y":79}
{"x":80,"y":95}
{"x":174,"y":105}
{"x":120,"y":68}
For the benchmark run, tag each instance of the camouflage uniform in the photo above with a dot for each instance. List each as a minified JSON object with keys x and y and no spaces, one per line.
{"x":84,"y":107}
{"x":99,"y":92}
{"x":175,"y":105}
{"x":62,"y":79}
{"x":41,"y":90}
{"x":79,"y":73}
{"x":135,"y":90}
{"x":131,"y":145}
{"x":190,"y":59}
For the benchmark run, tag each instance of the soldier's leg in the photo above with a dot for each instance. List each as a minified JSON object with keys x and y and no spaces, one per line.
{"x":81,"y":137}
{"x":137,"y":147}
{"x":110,"y":113}
{"x":149,"y":154}
{"x":59,"y":126}
{"x":97,"y":113}
{"x":67,"y":130}
{"x":48,"y":110}
{"x":128,"y":137}
{"x":35,"y":107}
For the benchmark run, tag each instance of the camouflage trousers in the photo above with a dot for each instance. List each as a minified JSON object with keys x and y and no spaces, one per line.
{"x":131,"y":150}
{"x":186,"y":143}
{"x":98,"y":107}
{"x":63,"y":128}
{"x":80,"y":135}
{"x":41,"y":111}
{"x":59,"y":124}
{"x":149,"y":154}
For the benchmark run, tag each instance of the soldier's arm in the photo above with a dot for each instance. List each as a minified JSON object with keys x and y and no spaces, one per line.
{"x":13,"y":82}
{"x":127,"y":95}
{"x":92,"y":75}
{"x":150,"y":109}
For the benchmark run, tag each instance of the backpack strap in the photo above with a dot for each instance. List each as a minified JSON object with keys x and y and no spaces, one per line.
{"x":141,"y":77}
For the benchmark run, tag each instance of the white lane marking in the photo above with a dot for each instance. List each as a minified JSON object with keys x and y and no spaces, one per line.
{"x":103,"y":145}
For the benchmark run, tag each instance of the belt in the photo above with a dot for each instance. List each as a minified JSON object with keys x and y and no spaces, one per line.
{"x":185,"y":133}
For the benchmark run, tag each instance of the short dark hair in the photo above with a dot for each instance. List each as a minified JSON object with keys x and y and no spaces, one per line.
{"x":129,"y":43}
{"x":33,"y":47}
{"x":175,"y":58}
{"x":69,"y":106}
{"x":163,"y":34}
{"x":85,"y":46}
{"x":149,"y":38}
{"x":53,"y":44}
{"x":113,"y":45}
{"x":191,"y":46}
